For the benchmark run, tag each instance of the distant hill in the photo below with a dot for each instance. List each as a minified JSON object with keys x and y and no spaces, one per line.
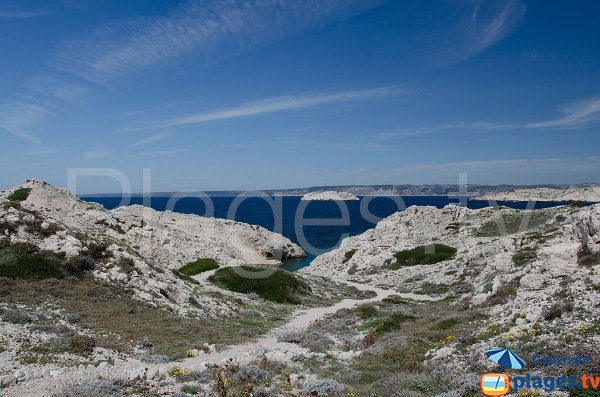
{"x":473,"y":190}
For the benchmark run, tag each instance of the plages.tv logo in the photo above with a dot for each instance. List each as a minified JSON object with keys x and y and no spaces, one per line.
{"x":495,"y":384}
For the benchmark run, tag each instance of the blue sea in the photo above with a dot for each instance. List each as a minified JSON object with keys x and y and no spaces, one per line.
{"x":313,"y":238}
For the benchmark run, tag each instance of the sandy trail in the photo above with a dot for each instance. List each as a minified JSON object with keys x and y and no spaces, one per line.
{"x":243,"y":353}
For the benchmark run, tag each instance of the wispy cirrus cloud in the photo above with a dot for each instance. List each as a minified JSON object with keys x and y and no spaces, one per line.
{"x":207,"y":28}
{"x":16,"y":118}
{"x":14,"y":13}
{"x":580,"y":115}
{"x":480,"y":24}
{"x":160,"y":152}
{"x":272,"y":105}
{"x":583,"y":114}
{"x":55,"y":87}
{"x":153,"y":138}
{"x":483,"y":125}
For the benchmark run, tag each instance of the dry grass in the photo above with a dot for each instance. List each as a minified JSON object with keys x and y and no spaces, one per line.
{"x":123,"y":321}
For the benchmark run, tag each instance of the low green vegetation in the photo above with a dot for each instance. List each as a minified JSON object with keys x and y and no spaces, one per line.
{"x":278,"y":286}
{"x":120,"y":321}
{"x":514,"y":223}
{"x":524,"y":256}
{"x":367,"y":311}
{"x":390,"y":323}
{"x":394,"y":358}
{"x":348,"y":255}
{"x":198,"y":266}
{"x":433,"y":289}
{"x":35,"y":279}
{"x":20,"y":194}
{"x":447,"y":324}
{"x":423,"y":255}
{"x":23,"y":261}
{"x":184,"y":277}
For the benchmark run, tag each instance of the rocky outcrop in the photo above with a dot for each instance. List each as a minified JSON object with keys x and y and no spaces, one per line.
{"x":587,"y":193}
{"x":169,"y":238}
{"x":140,"y":243}
{"x":329,"y":196}
{"x":530,"y":253}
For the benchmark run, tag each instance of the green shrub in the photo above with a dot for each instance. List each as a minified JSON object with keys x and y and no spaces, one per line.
{"x":82,"y":345}
{"x":81,"y":264}
{"x":524,"y":256}
{"x":6,"y":286}
{"x":16,"y":317}
{"x":20,"y":194}
{"x":367,"y":311}
{"x":349,"y":255}
{"x":423,"y":255}
{"x":25,"y":261}
{"x":433,"y":289}
{"x":184,"y":277}
{"x":392,"y":322}
{"x":198,"y":266}
{"x":514,"y":223}
{"x":353,"y":269}
{"x":97,"y":250}
{"x":447,"y":324}
{"x":280,"y":286}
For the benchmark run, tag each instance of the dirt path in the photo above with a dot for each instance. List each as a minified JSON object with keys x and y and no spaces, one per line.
{"x":301,"y":319}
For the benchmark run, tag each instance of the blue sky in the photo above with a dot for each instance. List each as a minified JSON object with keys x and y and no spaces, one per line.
{"x":213,"y":95}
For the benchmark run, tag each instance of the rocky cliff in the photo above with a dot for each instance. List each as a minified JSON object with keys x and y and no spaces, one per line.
{"x":584,"y":193}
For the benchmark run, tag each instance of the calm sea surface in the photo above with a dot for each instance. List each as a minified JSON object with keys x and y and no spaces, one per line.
{"x":313,"y":238}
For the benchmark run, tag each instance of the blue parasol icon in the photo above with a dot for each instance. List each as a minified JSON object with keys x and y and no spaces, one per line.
{"x":505,"y":358}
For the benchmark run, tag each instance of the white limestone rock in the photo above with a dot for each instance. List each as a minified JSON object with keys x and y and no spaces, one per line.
{"x":589,"y":193}
{"x":329,"y":196}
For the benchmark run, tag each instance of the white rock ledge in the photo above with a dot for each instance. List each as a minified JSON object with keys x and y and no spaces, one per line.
{"x":329,"y":196}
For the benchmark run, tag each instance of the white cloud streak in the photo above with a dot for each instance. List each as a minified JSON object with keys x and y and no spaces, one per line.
{"x":23,"y":13}
{"x":477,"y":126}
{"x":481,"y":25}
{"x":577,"y":116}
{"x":153,"y":138}
{"x":207,"y":28}
{"x":160,"y":152}
{"x":272,"y":105}
{"x":583,"y":114}
{"x":17,"y":117}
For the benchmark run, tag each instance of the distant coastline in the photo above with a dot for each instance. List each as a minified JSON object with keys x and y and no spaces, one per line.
{"x":473,"y":190}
